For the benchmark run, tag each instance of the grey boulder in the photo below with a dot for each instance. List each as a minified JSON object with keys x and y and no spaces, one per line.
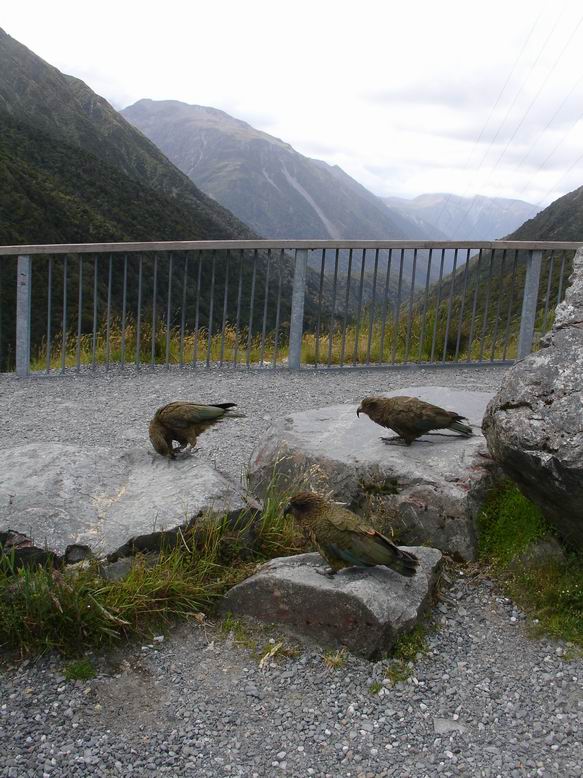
{"x":534,"y":424}
{"x":363,"y":610}
{"x":430,"y":492}
{"x":63,"y":494}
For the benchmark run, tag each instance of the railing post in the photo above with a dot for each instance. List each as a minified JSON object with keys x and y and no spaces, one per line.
{"x":23,"y":297}
{"x":529,"y":299}
{"x":296,"y":329}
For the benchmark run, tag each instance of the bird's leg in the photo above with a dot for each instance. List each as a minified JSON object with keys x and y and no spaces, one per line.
{"x":327,"y":572}
{"x":393,"y":440}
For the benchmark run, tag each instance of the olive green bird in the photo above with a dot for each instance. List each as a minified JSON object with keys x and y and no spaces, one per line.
{"x":410,"y":418}
{"x":183,"y":422}
{"x":343,"y":539}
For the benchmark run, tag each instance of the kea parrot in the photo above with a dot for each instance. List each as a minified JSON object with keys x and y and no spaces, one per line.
{"x":410,"y":418}
{"x":343,"y":539}
{"x":183,"y":422}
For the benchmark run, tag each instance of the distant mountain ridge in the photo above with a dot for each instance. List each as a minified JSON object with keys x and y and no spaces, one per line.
{"x":465,"y":218}
{"x":263,"y":180}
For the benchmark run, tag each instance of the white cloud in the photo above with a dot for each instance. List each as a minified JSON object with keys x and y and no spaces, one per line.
{"x":394,"y":93}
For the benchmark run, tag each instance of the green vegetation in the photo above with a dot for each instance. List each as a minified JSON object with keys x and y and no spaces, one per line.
{"x":73,"y":611}
{"x":410,"y":645}
{"x":79,"y":670}
{"x":375,"y":687}
{"x":335,"y":659}
{"x":398,"y":672}
{"x":549,"y":590}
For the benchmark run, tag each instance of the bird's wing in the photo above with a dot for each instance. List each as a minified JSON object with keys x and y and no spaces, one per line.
{"x":420,"y":415}
{"x":181,"y":415}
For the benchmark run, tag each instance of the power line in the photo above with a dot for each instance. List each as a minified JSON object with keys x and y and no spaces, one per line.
{"x":530,"y":106}
{"x":501,"y":92}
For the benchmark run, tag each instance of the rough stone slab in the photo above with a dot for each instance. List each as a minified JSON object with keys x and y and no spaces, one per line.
{"x":362,"y":609}
{"x":60,"y":494}
{"x":534,"y":425}
{"x":430,"y":492}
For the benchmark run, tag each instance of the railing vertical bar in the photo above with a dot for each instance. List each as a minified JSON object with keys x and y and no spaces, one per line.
{"x":548,"y":294}
{"x":49,"y":312}
{"x":264,"y":327}
{"x":410,"y":316}
{"x":510,"y":302}
{"x":333,"y":308}
{"x":397,"y":317}
{"x":529,"y":303}
{"x":462,"y":307}
{"x":437,"y":305}
{"x":23,"y":314}
{"x":486,"y":305}
{"x":183,"y":310}
{"x":197,"y":311}
{"x":79,"y":315}
{"x":425,"y":302}
{"x":320,"y":294}
{"x":94,"y":338}
{"x":385,"y":306}
{"x":474,"y":305}
{"x":251,"y":305}
{"x":449,"y":306}
{"x":238,"y":313}
{"x":169,"y":310}
{"x":355,"y":353}
{"x":139,"y":314}
{"x":346,"y":300}
{"x":277,"y":311}
{"x":498,"y":303}
{"x":154,"y":302}
{"x":372,"y":305}
{"x":124,"y":310}
{"x":64,"y":319}
{"x":225,"y":306}
{"x":108,"y":322}
{"x":561,"y":275}
{"x":211,"y":309}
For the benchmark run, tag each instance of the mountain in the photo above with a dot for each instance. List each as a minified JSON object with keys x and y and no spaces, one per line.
{"x":465,"y":218}
{"x":74,"y":170}
{"x":561,"y":220}
{"x":263,"y":180}
{"x":63,"y":111}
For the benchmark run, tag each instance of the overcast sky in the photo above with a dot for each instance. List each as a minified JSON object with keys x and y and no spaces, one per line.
{"x":407,"y":97}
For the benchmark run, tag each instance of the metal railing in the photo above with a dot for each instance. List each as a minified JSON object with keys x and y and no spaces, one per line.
{"x":276,"y":303}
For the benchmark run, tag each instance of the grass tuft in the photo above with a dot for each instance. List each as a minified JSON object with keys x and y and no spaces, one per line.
{"x":335,"y":659}
{"x":80,"y":670}
{"x":551,"y":590}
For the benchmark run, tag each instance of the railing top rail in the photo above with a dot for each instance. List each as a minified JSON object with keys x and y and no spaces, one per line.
{"x":206,"y":245}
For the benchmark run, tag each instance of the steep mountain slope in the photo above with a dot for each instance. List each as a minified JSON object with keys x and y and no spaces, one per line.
{"x":465,"y":218}
{"x":35,"y":94}
{"x":561,"y":220}
{"x":274,"y":189}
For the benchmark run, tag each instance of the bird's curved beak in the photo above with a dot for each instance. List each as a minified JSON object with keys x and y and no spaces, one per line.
{"x":358,"y":410}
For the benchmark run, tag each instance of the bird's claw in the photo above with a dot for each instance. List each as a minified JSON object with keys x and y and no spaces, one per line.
{"x":395,"y":440}
{"x":327,"y":572}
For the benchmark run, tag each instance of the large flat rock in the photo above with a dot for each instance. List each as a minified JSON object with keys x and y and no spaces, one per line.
{"x":430,"y":492}
{"x":364,"y":610}
{"x":60,"y":494}
{"x":534,"y":425}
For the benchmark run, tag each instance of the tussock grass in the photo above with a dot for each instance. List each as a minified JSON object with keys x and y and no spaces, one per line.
{"x":74,"y":610}
{"x":432,"y":336}
{"x":550,"y":591}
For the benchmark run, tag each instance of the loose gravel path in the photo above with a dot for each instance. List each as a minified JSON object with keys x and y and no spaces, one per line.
{"x":486,"y":701}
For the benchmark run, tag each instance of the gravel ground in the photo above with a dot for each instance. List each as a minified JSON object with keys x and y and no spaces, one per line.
{"x":114,"y":409}
{"x":486,"y":701}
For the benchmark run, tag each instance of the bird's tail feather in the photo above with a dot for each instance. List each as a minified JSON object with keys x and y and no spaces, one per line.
{"x":405,"y":563}
{"x":459,"y":427}
{"x":225,"y":406}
